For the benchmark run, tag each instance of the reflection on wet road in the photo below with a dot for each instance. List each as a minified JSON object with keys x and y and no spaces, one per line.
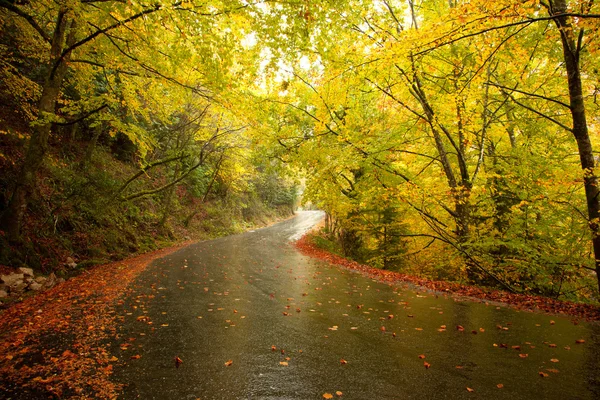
{"x":286,"y":322}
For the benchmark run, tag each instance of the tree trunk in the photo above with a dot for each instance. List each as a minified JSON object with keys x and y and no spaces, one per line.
{"x":38,"y":144}
{"x":571,"y":53}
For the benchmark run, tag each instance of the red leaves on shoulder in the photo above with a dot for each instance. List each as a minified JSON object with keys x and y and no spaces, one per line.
{"x":520,"y":301}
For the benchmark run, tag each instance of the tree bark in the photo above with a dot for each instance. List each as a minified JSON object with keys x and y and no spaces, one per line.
{"x":571,"y":53}
{"x":38,"y":144}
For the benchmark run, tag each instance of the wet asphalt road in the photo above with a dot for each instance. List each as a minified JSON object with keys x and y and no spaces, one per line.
{"x":233,"y":298}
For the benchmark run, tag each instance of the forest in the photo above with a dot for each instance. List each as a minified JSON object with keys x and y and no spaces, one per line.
{"x":447,"y":139}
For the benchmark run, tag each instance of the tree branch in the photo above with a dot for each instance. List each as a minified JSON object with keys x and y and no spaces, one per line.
{"x":5,"y":4}
{"x":84,"y":116}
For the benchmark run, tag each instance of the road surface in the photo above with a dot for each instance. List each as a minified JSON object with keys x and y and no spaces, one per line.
{"x":252,"y":318}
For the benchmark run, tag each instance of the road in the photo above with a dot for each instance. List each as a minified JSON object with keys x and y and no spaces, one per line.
{"x":290,"y":327}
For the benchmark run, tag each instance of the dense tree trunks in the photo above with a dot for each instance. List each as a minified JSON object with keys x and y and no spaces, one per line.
{"x":38,"y":144}
{"x":571,"y":53}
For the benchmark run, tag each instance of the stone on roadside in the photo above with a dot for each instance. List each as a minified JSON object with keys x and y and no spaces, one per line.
{"x":70,"y":263}
{"x":12,"y":279}
{"x":3,"y":294}
{"x":26,"y":271}
{"x":19,"y":287}
{"x":35,"y":286}
{"x":50,"y":281}
{"x":40,"y":279}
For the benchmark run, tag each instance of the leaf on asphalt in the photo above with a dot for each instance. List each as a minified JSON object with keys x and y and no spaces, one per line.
{"x":284,"y":363}
{"x":554,"y":360}
{"x":580,"y":341}
{"x":543,"y":374}
{"x":136,"y":357}
{"x":382,"y":329}
{"x":460,"y":328}
{"x":273,"y":348}
{"x":228,"y":363}
{"x":499,"y":386}
{"x":553,"y":370}
{"x":178,"y":362}
{"x":338,"y":393}
{"x":426,"y":365}
{"x":421,"y":356}
{"x":327,"y":396}
{"x":470,"y":390}
{"x":343,"y":362}
{"x":523,"y":355}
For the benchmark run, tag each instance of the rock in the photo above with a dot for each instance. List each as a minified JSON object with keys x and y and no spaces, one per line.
{"x":70,"y":263}
{"x":11,"y":279}
{"x":50,"y":281}
{"x":40,"y":279}
{"x":19,"y":287}
{"x":26,"y":271}
{"x":35,"y":286}
{"x":3,"y":294}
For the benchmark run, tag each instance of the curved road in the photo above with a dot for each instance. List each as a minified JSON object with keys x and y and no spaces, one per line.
{"x":291,"y":327}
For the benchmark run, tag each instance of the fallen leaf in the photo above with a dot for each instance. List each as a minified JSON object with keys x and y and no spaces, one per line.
{"x":523,"y":355}
{"x":543,"y":374}
{"x":554,"y":360}
{"x":338,"y":393}
{"x":470,"y":390}
{"x":499,"y":386}
{"x":178,"y":362}
{"x":327,"y":396}
{"x":421,"y":356}
{"x":136,"y":357}
{"x":580,"y":341}
{"x":554,"y":371}
{"x":284,"y":363}
{"x":426,"y":365}
{"x":228,"y":363}
{"x":343,"y":362}
{"x":273,"y":348}
{"x":552,"y":322}
{"x":460,"y":328}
